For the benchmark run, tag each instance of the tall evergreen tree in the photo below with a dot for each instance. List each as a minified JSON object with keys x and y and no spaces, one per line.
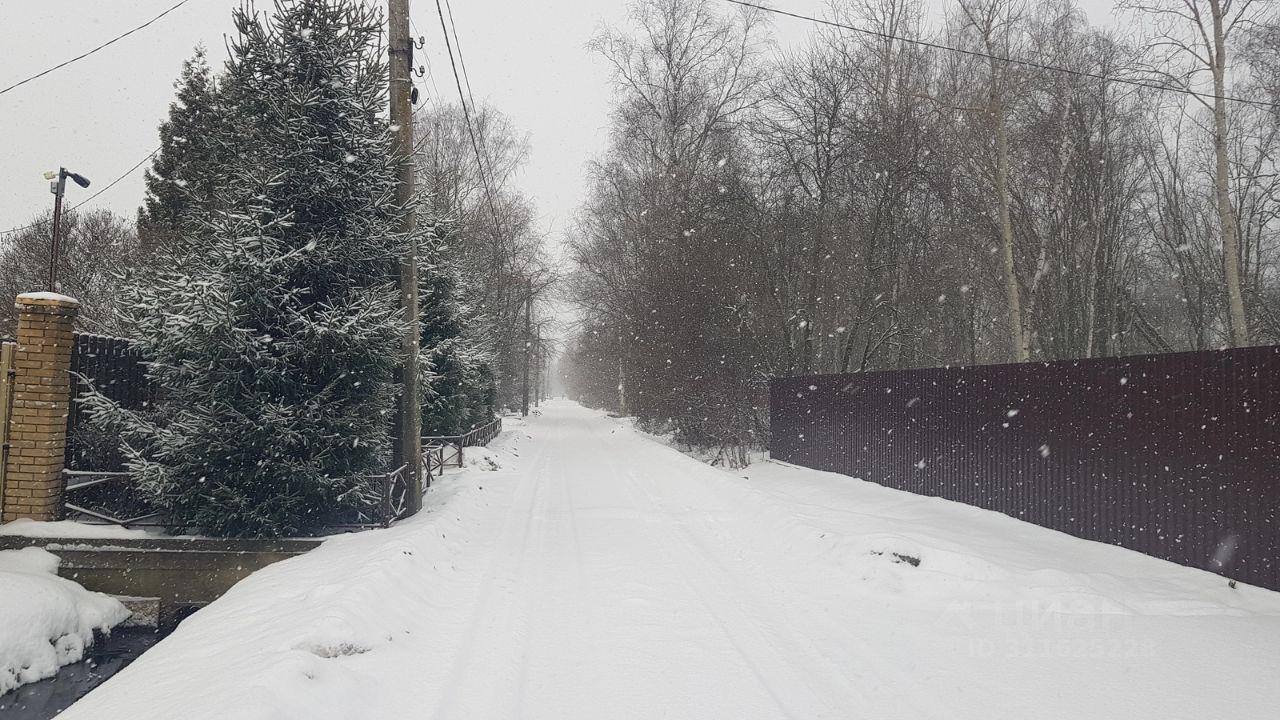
{"x":460,"y":392}
{"x":273,"y":340}
{"x":183,"y":177}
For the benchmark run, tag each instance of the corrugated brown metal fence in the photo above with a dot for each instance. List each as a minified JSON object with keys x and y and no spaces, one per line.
{"x":1174,"y":455}
{"x":115,"y":368}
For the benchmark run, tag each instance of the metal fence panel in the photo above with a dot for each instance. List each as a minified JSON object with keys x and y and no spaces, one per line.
{"x":1174,"y":455}
{"x":115,"y":368}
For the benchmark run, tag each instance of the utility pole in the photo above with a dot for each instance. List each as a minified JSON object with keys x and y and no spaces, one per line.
{"x":528,"y":342}
{"x":58,"y":186}
{"x":537,"y":371}
{"x":622,"y":375}
{"x":400,"y":46}
{"x":58,"y":189}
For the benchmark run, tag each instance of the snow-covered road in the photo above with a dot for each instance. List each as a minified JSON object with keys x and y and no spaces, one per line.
{"x":598,"y":574}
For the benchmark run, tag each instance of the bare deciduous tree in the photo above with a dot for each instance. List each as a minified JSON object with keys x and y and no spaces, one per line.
{"x":97,"y":249}
{"x":1193,"y":38}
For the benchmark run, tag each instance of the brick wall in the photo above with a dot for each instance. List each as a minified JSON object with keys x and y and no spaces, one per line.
{"x":41,"y":397}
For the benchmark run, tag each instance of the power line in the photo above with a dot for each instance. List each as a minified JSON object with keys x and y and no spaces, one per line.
{"x":466,"y":79}
{"x":1015,"y":61}
{"x":461,"y":60}
{"x":466,"y":114}
{"x":122,"y":176}
{"x":94,"y":50}
{"x":92,"y":197}
{"x":426,"y":61}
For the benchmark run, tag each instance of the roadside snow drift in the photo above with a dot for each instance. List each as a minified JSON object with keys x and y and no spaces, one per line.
{"x":590,"y":572}
{"x":45,"y":621}
{"x":70,"y":529}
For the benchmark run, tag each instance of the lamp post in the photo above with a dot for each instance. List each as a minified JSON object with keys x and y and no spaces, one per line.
{"x":58,"y":186}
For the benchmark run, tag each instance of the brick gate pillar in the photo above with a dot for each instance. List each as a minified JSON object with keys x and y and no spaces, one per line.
{"x":41,"y":398}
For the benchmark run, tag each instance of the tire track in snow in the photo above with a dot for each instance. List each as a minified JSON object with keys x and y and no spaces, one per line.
{"x":533,"y":643}
{"x":558,"y":622}
{"x":783,"y":604}
{"x":484,"y":652}
{"x":731,"y":627}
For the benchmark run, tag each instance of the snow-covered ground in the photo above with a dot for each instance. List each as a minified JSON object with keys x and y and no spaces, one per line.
{"x":45,"y":621}
{"x":598,"y":574}
{"x":70,"y":529}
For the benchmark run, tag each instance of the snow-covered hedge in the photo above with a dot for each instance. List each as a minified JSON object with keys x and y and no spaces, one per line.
{"x":45,"y":621}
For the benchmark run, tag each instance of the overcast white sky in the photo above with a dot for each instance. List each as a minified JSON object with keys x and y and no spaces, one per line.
{"x":99,"y":116}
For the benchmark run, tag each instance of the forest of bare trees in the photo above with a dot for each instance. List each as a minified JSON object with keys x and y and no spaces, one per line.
{"x":864,"y":201}
{"x":488,"y":236}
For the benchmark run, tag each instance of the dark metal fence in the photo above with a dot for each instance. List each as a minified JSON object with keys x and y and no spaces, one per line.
{"x":1174,"y":455}
{"x":99,"y":497}
{"x":440,"y":451}
{"x":115,"y":368}
{"x":94,"y":496}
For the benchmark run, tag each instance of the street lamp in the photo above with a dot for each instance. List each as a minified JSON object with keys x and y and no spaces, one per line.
{"x":58,"y":186}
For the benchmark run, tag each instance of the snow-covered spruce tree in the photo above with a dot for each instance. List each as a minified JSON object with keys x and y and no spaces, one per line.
{"x":459,"y":395}
{"x":183,"y":178}
{"x":273,"y":340}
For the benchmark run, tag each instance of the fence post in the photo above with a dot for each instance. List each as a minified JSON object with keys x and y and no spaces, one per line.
{"x":41,"y":393}
{"x":388,"y":514}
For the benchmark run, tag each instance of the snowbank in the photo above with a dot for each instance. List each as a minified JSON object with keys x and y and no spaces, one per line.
{"x":481,"y":458}
{"x":930,"y":548}
{"x":45,"y":621}
{"x":933,"y":550}
{"x":26,"y":527}
{"x":710,"y":456}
